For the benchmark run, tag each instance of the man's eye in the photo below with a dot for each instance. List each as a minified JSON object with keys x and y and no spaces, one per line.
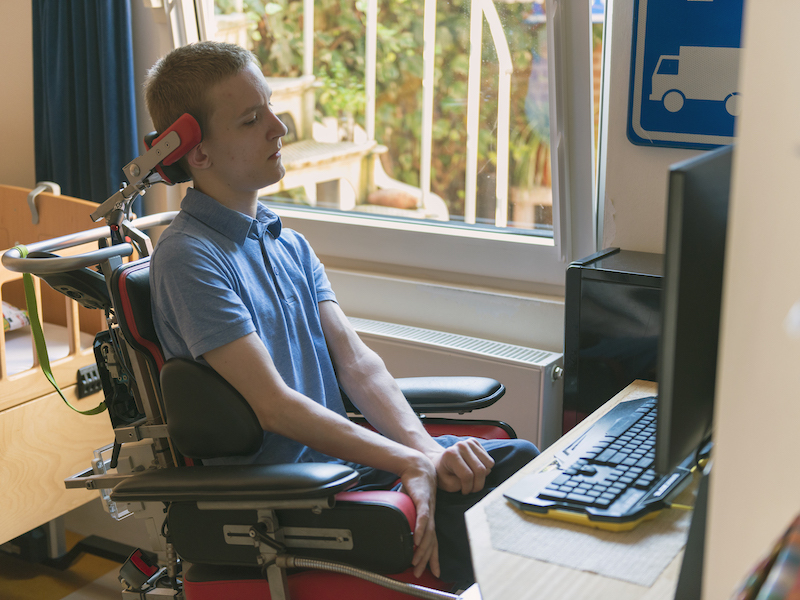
{"x":251,"y":121}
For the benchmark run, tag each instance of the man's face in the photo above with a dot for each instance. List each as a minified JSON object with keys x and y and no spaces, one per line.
{"x":243,"y":140}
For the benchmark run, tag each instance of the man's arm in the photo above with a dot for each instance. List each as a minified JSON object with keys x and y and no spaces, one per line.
{"x":364,"y":378}
{"x":247,"y":365}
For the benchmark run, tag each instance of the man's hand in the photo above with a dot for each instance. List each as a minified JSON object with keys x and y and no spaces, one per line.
{"x":419,"y":482}
{"x":462,"y":467}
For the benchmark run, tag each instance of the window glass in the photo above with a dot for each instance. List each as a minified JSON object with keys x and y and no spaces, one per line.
{"x":347,"y":156}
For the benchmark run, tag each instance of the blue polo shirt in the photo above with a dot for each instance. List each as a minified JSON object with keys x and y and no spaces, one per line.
{"x":217,"y":275}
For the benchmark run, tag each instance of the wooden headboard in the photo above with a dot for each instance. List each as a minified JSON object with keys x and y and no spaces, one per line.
{"x":42,"y":441}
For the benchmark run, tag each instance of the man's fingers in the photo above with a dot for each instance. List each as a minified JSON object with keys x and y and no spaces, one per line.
{"x":481,"y":453}
{"x":427,"y":552}
{"x":479,"y":465}
{"x":469,"y":462}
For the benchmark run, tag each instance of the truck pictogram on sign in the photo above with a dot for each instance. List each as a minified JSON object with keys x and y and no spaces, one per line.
{"x":698,"y":73}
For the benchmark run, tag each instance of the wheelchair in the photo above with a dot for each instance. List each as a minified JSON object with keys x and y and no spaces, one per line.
{"x":244,"y":531}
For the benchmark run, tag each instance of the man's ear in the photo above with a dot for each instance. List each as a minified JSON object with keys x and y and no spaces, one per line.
{"x":197,"y":158}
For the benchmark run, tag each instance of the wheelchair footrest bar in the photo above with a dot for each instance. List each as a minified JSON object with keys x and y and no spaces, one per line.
{"x":285,"y":561}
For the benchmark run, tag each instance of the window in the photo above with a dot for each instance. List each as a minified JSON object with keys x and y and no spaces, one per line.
{"x":446,"y":135}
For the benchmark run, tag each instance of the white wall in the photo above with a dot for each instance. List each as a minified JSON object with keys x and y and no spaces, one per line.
{"x":152,"y":39}
{"x":755,"y":488}
{"x":634,"y":199}
{"x":16,"y":95}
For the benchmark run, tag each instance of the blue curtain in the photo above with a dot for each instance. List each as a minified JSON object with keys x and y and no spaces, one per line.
{"x":84,"y":95}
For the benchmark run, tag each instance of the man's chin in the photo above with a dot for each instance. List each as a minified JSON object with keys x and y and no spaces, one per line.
{"x":268,"y":181}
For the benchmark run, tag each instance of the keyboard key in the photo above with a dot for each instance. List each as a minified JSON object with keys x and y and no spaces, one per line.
{"x":561,"y":479}
{"x":552,"y":495}
{"x":580,"y":498}
{"x":645,"y":463}
{"x":603,"y":502}
{"x":617,"y":458}
{"x":605,"y":455}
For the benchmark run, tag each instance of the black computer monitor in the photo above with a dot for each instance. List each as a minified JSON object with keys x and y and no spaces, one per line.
{"x":694,"y":255}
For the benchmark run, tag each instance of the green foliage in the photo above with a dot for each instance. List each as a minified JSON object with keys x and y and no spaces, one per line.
{"x":339,"y":57}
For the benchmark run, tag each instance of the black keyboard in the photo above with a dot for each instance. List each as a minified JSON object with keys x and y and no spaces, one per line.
{"x":606,"y":479}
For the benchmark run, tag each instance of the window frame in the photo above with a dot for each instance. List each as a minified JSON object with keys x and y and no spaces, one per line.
{"x":526,"y":259}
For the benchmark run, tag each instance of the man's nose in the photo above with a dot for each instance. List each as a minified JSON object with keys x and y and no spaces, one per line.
{"x":277,"y":129}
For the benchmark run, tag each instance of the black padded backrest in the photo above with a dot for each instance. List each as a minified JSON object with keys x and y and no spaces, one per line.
{"x":206,"y":416}
{"x":130,"y":291}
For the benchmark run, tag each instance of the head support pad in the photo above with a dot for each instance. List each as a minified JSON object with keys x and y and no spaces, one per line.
{"x":188,"y":130}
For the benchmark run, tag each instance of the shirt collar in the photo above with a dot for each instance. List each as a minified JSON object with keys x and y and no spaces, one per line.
{"x":230,"y":223}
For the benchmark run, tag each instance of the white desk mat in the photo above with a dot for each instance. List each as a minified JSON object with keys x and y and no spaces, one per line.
{"x":638,"y":556}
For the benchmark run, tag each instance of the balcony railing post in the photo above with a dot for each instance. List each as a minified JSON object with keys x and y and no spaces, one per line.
{"x":479,"y":9}
{"x":371,"y":66}
{"x":308,"y":37}
{"x":506,"y":68}
{"x":428,"y":60}
{"x":473,"y":110}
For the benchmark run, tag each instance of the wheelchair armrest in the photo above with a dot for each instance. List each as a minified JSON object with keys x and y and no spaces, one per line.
{"x":239,"y":483}
{"x":450,"y":394}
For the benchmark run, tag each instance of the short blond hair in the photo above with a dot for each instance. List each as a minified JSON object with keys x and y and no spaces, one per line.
{"x":179,"y":82}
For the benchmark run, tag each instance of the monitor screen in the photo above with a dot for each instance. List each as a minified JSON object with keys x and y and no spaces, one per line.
{"x":697,"y":218}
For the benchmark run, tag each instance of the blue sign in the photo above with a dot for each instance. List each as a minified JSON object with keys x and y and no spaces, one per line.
{"x":685,"y":72}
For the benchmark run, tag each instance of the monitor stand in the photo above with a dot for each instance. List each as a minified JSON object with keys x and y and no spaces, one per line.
{"x":690,"y":581}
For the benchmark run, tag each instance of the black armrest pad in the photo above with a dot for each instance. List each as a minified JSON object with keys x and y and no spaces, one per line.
{"x":236,"y":483}
{"x":450,"y":394}
{"x":445,"y":394}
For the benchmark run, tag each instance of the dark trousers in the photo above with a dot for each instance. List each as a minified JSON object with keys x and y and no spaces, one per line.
{"x":451,"y":529}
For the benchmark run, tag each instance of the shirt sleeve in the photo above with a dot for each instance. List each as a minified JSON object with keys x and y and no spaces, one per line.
{"x":195,"y":306}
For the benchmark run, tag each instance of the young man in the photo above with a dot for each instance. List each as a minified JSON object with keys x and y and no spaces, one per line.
{"x":234,"y":290}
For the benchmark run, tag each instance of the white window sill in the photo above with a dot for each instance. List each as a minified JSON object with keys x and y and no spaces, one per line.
{"x":480,"y":258}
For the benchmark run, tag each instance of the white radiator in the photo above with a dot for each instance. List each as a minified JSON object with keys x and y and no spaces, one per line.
{"x":532,"y":403}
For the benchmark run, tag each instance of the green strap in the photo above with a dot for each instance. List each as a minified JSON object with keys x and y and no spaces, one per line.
{"x":38,"y":337}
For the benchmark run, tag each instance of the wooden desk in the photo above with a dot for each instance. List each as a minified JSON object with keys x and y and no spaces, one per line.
{"x":504,"y":575}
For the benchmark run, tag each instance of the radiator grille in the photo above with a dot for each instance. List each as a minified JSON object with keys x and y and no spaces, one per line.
{"x":452,"y":341}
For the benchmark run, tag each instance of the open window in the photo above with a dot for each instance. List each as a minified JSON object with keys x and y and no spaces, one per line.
{"x":440,"y":135}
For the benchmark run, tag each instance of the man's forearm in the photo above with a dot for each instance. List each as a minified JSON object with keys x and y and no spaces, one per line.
{"x":378,"y":397}
{"x":246,"y":364}
{"x":363,"y":376}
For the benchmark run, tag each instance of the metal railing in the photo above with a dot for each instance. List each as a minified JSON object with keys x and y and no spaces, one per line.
{"x":479,"y":10}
